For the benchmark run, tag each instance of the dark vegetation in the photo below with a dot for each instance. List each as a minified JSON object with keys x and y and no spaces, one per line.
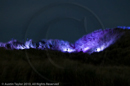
{"x":110,"y":67}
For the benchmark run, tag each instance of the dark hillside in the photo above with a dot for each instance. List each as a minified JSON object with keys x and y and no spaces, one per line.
{"x":110,"y":67}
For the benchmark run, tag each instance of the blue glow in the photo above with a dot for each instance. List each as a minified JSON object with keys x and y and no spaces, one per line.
{"x":124,"y":27}
{"x":94,"y":42}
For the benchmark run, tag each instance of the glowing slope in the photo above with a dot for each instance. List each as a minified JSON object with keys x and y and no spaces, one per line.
{"x":94,"y":42}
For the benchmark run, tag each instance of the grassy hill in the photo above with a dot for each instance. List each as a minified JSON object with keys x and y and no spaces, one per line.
{"x":110,"y":67}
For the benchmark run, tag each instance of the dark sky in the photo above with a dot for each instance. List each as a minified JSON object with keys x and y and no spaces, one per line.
{"x":59,"y":19}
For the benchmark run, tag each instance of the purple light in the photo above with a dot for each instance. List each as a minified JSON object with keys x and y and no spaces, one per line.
{"x":123,"y":27}
{"x":97,"y":41}
{"x":94,"y":42}
{"x":90,"y":41}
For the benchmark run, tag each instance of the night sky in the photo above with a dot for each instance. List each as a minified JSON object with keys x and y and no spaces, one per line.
{"x":59,"y":19}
